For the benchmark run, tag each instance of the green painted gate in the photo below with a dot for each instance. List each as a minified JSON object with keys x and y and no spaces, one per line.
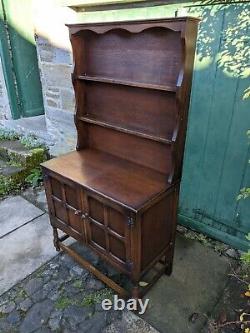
{"x":216,"y":164}
{"x":19,"y":58}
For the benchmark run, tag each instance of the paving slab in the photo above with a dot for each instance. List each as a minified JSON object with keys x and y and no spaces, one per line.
{"x":24,"y":250}
{"x":182,"y":302}
{"x":15,"y":212}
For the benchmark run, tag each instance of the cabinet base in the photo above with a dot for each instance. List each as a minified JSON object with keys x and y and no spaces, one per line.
{"x":136,"y":292}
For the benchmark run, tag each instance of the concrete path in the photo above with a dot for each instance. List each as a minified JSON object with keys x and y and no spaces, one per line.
{"x":184,"y":301}
{"x":25,"y":240}
{"x":15,"y":212}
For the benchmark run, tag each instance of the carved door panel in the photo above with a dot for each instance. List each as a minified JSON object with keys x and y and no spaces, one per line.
{"x":108,"y":231}
{"x":65,"y":206}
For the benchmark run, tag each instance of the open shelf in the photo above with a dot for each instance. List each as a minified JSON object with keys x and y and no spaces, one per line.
{"x":127,"y":83}
{"x":93,"y":120}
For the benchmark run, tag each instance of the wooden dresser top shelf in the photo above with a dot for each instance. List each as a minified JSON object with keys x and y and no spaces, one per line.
{"x":135,"y":84}
{"x":126,"y":183}
{"x":149,"y":22}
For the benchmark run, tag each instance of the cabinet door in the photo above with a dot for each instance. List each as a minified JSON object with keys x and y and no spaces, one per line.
{"x":64,"y":200}
{"x":108,"y":231}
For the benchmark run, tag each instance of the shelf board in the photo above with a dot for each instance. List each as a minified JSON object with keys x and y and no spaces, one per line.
{"x":127,"y":83}
{"x":92,"y":120}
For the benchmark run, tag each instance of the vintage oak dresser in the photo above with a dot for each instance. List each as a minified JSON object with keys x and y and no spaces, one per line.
{"x":118,"y":192}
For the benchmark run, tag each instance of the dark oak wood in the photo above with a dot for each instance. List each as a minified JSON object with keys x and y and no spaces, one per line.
{"x":93,"y":120}
{"x":118,"y":180}
{"x":118,"y":192}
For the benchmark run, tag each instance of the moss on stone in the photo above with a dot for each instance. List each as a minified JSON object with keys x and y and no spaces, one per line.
{"x":88,"y":300}
{"x":96,"y":297}
{"x":63,"y":302}
{"x":2,"y":315}
{"x":10,"y":184}
{"x":31,"y":166}
{"x":78,"y":284}
{"x":38,"y":155}
{"x":21,"y":293}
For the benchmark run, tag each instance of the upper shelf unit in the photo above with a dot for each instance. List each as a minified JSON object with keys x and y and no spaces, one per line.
{"x":132,"y":82}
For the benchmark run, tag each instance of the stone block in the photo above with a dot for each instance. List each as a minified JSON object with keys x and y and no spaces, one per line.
{"x":68,"y":99}
{"x":50,"y":53}
{"x":58,"y":75}
{"x":60,"y":125}
{"x":53,"y":93}
{"x":46,"y":55}
{"x":51,"y":102}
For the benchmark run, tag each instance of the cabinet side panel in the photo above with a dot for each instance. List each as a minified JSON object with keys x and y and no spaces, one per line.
{"x":157,"y":226}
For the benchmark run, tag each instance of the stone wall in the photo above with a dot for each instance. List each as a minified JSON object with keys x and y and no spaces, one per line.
{"x":59,"y":103}
{"x":55,"y":64}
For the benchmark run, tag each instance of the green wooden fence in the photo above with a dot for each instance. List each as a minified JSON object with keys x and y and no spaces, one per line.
{"x":217,"y":149}
{"x":216,"y":161}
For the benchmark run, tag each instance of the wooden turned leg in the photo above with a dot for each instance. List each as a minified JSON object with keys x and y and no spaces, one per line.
{"x":169,"y":268}
{"x":169,"y":260}
{"x":135,"y":291}
{"x":56,"y":239}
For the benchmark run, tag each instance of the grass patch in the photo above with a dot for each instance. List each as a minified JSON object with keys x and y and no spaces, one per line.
{"x":29,"y":141}
{"x":6,"y":134}
{"x":64,"y":302}
{"x":96,"y":297}
{"x":21,"y":294}
{"x":35,"y":177}
{"x":77,"y":284}
{"x":91,"y":299}
{"x":29,"y":175}
{"x":2,"y":315}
